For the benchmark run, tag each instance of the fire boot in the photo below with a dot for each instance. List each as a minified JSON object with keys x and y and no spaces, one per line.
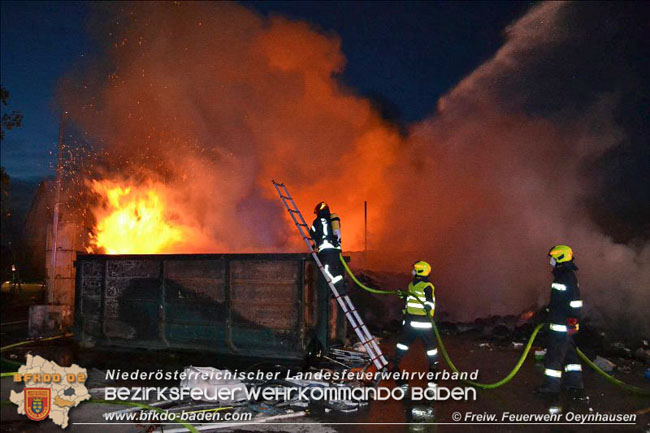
{"x":402,"y":383}
{"x":551,"y":383}
{"x":546,"y":389}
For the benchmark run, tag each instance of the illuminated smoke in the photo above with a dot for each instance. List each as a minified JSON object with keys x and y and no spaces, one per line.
{"x":210,"y":101}
{"x":497,"y":176}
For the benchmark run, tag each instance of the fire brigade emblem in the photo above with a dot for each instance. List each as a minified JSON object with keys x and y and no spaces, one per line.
{"x":37,"y":403}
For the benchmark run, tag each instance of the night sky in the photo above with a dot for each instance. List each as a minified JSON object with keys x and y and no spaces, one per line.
{"x":403,"y":55}
{"x":507,"y":127}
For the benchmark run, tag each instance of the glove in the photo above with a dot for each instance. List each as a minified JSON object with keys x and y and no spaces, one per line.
{"x":572,"y":325}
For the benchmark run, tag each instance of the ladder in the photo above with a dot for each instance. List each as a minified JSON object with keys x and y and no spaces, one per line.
{"x":351,"y":313}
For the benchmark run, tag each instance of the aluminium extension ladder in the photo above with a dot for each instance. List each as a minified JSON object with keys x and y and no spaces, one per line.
{"x":367,"y":340}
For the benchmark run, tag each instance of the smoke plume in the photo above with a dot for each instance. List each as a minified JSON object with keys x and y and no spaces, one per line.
{"x":213,"y":101}
{"x":501,"y":172}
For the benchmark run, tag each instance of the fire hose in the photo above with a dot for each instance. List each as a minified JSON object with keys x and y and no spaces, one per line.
{"x":7,"y":362}
{"x":124,"y":403}
{"x":188,"y":426}
{"x":441,"y":345}
{"x":521,"y":360}
{"x":35,"y":340}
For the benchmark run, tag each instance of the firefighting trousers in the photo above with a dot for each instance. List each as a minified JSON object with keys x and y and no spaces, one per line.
{"x":334,"y":268}
{"x":416,"y":328}
{"x":562,"y":363}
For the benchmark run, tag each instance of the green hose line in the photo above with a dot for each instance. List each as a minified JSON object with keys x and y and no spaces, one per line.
{"x":36,"y":340}
{"x":11,"y":373}
{"x":514,"y":371}
{"x":610,"y":378}
{"x":503,"y":381}
{"x":366,"y":288}
{"x":143,"y":406}
{"x":7,"y":364}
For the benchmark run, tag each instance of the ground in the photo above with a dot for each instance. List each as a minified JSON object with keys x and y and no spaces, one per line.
{"x":469,"y":351}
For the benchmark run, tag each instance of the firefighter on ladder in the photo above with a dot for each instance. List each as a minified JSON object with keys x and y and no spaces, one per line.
{"x":417,"y":323}
{"x":562,"y":365}
{"x":326,"y":233}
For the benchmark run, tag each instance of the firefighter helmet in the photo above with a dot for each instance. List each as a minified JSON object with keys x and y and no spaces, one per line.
{"x":320,"y":207}
{"x":561,"y":253}
{"x":422,"y":268}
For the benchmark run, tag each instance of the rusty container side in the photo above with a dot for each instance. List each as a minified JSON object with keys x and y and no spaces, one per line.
{"x":259,"y":305}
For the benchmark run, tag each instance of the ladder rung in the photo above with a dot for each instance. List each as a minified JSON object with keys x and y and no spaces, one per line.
{"x":350,"y":311}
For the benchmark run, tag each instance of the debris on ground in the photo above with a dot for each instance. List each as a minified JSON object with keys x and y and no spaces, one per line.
{"x":517,"y":345}
{"x":604,"y":364}
{"x":422,"y":414}
{"x":211,"y":380}
{"x":230,"y":425}
{"x":619,"y":349}
{"x":347,"y":358}
{"x":642,"y":355}
{"x":207,"y":379}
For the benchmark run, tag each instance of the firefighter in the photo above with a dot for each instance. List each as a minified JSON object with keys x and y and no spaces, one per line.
{"x":417,"y":323}
{"x":326,"y":233}
{"x":562,"y":365}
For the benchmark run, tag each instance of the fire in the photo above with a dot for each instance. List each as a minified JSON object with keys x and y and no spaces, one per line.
{"x":135,"y":220}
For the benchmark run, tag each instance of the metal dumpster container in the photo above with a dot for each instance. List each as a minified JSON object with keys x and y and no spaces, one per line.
{"x":256,"y":305}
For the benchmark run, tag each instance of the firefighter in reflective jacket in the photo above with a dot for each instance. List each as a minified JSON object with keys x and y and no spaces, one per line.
{"x":562,"y":365}
{"x":416,"y":323}
{"x":326,"y":233}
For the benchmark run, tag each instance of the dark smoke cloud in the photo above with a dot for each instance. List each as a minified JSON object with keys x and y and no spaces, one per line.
{"x":213,"y":101}
{"x":504,"y":169}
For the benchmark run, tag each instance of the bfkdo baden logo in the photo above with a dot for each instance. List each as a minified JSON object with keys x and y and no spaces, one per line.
{"x":50,"y":390}
{"x":38,"y":402}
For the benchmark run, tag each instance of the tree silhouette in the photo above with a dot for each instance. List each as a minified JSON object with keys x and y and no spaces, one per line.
{"x":9,"y":120}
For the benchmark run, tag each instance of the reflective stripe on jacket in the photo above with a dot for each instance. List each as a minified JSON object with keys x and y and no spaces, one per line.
{"x":565,"y":299}
{"x":326,"y":233}
{"x":420,"y":291}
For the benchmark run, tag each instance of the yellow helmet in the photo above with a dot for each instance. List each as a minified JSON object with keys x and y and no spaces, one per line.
{"x":561,"y":253}
{"x":422,"y":268}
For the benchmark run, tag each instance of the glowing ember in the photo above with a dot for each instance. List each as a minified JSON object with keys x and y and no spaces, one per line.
{"x":135,"y":220}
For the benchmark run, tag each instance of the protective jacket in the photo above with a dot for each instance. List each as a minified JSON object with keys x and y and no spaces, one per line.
{"x":416,"y":325}
{"x":326,"y":231}
{"x":420,"y":289}
{"x":561,"y":361}
{"x":565,"y":302}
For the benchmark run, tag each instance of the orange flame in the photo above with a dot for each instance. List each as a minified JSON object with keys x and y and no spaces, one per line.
{"x":135,"y":220}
